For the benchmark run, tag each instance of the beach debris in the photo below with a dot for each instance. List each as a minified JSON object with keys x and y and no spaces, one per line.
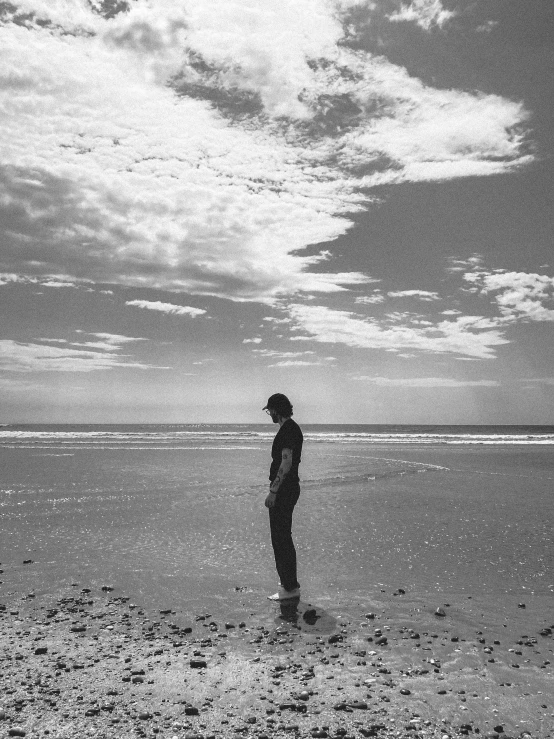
{"x":440,"y":612}
{"x":400,"y":591}
{"x":25,"y":562}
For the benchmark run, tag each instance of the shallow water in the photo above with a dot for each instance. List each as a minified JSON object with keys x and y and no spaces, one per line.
{"x":177,"y":517}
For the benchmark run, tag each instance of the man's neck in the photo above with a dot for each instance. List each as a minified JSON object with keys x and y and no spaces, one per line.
{"x":282,"y":420}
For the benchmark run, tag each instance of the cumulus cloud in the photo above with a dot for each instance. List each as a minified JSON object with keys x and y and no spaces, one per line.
{"x":201,"y":146}
{"x":424,"y":295}
{"x":472,"y":336}
{"x":102,"y":353}
{"x":426,"y":13}
{"x":430,"y":382}
{"x":520,"y":296}
{"x":178,"y":310}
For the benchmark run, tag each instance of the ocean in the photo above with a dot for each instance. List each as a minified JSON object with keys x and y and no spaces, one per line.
{"x":173,"y":515}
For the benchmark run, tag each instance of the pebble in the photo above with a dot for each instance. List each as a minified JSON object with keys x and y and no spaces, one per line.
{"x":440,"y":612}
{"x":405,"y":691}
{"x":16,"y":731}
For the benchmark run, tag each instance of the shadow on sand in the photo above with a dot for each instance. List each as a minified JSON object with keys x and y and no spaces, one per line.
{"x":306,"y":616}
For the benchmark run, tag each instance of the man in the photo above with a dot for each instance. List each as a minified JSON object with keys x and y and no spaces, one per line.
{"x":284,"y":491}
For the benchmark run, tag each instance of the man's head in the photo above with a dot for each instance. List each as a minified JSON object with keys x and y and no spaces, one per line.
{"x":278,"y":406}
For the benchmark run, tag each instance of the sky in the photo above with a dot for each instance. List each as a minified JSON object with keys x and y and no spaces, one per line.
{"x":203,"y":202}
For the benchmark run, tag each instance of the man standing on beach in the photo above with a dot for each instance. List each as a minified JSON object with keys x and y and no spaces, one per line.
{"x":284,"y":490}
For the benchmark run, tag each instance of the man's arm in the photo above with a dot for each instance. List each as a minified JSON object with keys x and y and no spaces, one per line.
{"x":282,"y":472}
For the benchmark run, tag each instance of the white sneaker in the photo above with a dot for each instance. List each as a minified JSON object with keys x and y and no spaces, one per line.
{"x":283,"y":594}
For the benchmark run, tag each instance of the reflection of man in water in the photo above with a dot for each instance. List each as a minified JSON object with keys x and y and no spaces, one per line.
{"x":284,"y":491}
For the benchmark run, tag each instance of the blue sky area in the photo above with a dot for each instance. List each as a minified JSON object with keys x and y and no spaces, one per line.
{"x":203,"y":202}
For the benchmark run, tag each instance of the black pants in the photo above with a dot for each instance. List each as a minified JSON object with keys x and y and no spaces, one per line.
{"x":280,"y":522}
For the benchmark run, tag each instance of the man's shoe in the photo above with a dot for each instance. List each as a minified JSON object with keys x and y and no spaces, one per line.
{"x":283,"y":594}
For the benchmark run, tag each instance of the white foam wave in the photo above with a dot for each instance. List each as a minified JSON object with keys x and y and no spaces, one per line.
{"x":163,"y":439}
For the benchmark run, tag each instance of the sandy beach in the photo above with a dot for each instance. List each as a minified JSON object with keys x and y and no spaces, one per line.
{"x":87,"y":661}
{"x":133,"y":603}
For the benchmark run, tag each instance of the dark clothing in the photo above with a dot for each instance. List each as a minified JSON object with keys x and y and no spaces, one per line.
{"x":290,"y":437}
{"x":280,"y":522}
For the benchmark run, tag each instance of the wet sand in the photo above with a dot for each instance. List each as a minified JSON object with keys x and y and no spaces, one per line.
{"x":85,"y":660}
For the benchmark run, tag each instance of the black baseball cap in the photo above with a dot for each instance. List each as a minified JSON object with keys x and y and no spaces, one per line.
{"x":277,"y":401}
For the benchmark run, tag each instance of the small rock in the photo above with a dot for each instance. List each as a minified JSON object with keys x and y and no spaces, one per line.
{"x":405,"y":691}
{"x":78,"y":628}
{"x":16,"y":731}
{"x":41,"y":650}
{"x":191,"y":711}
{"x":25,"y":562}
{"x":144,"y":716}
{"x":310,"y":616}
{"x":499,"y":729}
{"x":440,"y":612}
{"x":106,"y":588}
{"x":381,"y":641}
{"x":521,"y":605}
{"x":198,"y":664}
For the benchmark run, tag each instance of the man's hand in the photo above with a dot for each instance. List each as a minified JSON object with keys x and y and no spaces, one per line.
{"x":270,"y":500}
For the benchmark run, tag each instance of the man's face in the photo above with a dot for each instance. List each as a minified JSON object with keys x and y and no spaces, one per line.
{"x":273,"y":414}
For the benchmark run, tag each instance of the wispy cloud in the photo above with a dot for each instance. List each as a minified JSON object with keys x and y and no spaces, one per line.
{"x":472,"y":336}
{"x":374,"y":298}
{"x":170,"y":308}
{"x":202,"y":146}
{"x":88,"y":356}
{"x":540,"y":380}
{"x":474,"y":262}
{"x":429,"y":382}
{"x":293,"y":359}
{"x":424,"y":295}
{"x":426,"y":13}
{"x":46,"y":281}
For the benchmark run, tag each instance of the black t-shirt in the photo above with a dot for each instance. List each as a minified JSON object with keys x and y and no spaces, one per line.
{"x":290,"y":437}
